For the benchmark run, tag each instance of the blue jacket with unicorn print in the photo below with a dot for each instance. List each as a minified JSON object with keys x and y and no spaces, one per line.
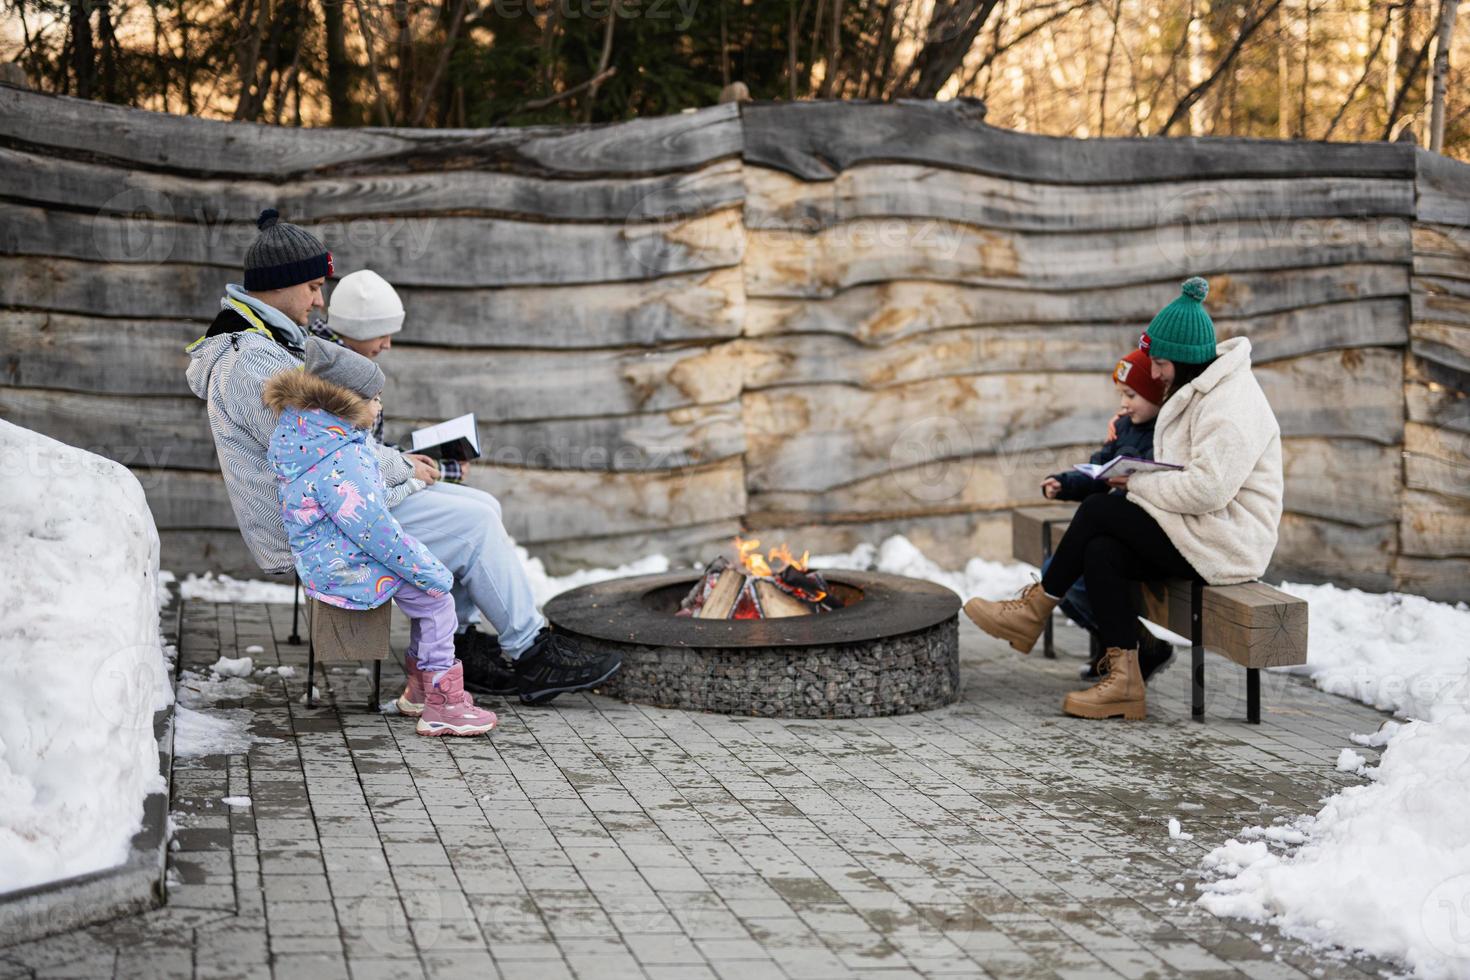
{"x":348,"y":548}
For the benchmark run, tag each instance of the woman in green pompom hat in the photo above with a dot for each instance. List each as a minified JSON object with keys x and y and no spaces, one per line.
{"x":1213,"y":519}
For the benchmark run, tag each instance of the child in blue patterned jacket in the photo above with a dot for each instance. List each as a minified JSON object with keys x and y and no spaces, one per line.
{"x":348,"y":548}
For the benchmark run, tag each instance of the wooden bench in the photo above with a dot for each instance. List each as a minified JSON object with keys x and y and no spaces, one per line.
{"x":1252,"y":624}
{"x":337,"y":635}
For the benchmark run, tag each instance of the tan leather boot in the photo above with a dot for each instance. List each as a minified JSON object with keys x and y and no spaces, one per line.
{"x":1018,"y":621}
{"x":1120,"y":692}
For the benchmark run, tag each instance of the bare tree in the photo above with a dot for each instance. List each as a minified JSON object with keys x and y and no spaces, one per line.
{"x":1447,"y":11}
{"x":1193,"y":95}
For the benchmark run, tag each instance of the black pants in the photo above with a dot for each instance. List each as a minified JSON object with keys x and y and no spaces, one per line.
{"x":1113,"y":544}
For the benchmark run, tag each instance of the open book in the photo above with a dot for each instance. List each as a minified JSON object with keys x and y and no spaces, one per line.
{"x":456,"y":439}
{"x":1123,"y":466}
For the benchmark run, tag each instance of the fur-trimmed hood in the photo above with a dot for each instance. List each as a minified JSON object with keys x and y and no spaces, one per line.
{"x":299,"y":389}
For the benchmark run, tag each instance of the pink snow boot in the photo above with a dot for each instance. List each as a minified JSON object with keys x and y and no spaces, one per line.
{"x":411,"y":701}
{"x":448,"y":710}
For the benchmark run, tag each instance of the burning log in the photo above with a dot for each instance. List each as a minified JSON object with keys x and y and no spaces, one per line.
{"x":755,"y":588}
{"x":724,"y":596}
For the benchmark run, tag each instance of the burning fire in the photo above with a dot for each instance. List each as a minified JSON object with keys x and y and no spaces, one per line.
{"x":762,"y":566}
{"x":758,"y":586}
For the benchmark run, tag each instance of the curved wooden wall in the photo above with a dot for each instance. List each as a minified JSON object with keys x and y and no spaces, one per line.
{"x":821,"y":321}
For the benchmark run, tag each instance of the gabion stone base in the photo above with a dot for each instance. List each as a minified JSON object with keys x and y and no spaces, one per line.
{"x":891,"y":676}
{"x":893,"y":650}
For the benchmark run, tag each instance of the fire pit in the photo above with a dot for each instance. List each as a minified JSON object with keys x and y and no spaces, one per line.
{"x":891,"y":646}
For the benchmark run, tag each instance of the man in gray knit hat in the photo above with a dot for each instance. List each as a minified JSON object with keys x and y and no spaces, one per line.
{"x":259,"y":332}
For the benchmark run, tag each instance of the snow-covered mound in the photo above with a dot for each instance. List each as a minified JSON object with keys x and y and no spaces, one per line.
{"x":1384,"y":867}
{"x":81,"y":659}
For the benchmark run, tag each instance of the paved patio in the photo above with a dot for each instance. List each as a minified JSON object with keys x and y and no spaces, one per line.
{"x":595,"y":839}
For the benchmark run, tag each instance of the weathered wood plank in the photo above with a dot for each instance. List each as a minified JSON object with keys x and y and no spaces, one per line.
{"x":880,"y":193}
{"x":815,"y":140}
{"x":1444,"y":343}
{"x":1434,"y":526}
{"x":1028,"y":527}
{"x":183,"y":144}
{"x":173,"y":432}
{"x":1339,"y":479}
{"x":1441,"y":579}
{"x":46,"y":180}
{"x":798,"y":359}
{"x":949,"y":540}
{"x":1312,"y":549}
{"x":884,"y":312}
{"x":141,"y":432}
{"x":967,"y":484}
{"x":1251,"y":623}
{"x":1437,"y":458}
{"x":803,"y":439}
{"x":417,"y":251}
{"x":1441,"y":300}
{"x":1342,"y":479}
{"x":699,"y":306}
{"x":680,"y":437}
{"x":428,"y":382}
{"x":1436,"y":395}
{"x":784,"y":263}
{"x":1442,"y":187}
{"x":1346,"y":394}
{"x":423,"y":382}
{"x":682,"y":545}
{"x":567,"y":504}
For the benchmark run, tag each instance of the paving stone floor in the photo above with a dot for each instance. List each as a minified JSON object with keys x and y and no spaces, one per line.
{"x":596,"y":839}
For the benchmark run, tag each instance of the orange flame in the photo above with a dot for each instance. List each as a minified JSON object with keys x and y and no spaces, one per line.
{"x":763,"y":566}
{"x":750,"y":557}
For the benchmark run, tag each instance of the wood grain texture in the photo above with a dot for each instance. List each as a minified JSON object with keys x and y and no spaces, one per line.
{"x":814,"y":140}
{"x":182,"y":144}
{"x":781,"y":263}
{"x":43,"y":180}
{"x":419,"y":251}
{"x":880,"y":313}
{"x":880,"y":193}
{"x":694,"y":307}
{"x":843,"y":320}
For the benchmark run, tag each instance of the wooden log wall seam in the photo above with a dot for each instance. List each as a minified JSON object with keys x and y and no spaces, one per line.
{"x":832,"y":321}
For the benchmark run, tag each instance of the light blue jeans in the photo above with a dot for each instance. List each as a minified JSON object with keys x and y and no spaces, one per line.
{"x":461,"y":527}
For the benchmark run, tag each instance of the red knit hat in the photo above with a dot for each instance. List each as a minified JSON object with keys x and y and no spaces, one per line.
{"x":1136,"y":371}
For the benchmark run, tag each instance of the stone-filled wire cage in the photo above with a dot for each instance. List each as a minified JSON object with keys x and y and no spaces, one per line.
{"x":826,"y":322}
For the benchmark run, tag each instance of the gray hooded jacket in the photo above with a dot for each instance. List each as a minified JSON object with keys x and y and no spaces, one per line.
{"x":228,"y":371}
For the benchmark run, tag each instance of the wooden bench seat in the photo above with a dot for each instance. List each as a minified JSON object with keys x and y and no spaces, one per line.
{"x":1252,"y":623}
{"x":337,"y":635}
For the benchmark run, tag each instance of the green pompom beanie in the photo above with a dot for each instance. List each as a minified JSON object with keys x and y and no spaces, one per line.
{"x":1182,"y":331}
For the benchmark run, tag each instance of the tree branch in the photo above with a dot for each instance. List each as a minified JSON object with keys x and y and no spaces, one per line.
{"x":1194,"y":94}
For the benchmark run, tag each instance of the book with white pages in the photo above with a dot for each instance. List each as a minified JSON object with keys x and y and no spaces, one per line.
{"x":457,"y":439}
{"x":1124,"y":466}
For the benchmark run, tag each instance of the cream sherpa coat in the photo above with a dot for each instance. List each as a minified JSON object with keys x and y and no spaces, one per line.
{"x":1221,"y":511}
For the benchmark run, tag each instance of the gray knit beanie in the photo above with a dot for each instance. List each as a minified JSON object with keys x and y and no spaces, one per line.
{"x":284,"y":255}
{"x":334,"y":363}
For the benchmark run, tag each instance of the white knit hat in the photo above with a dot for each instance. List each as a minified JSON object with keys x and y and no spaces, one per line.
{"x":364,"y":306}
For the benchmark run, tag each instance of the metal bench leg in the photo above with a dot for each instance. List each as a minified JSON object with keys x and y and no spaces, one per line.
{"x":1197,"y":650}
{"x":372,"y":704}
{"x":310,"y":673}
{"x":1048,"y":648}
{"x":295,"y":638}
{"x":1253,"y":695}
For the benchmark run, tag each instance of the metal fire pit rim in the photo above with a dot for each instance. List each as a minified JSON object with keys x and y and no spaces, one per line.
{"x":614,"y":611}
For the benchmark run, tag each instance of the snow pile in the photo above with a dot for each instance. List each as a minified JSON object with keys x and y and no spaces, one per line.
{"x":81,"y":659}
{"x":1384,"y":867}
{"x":899,"y":556}
{"x":544,"y":586}
{"x":209,"y":588}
